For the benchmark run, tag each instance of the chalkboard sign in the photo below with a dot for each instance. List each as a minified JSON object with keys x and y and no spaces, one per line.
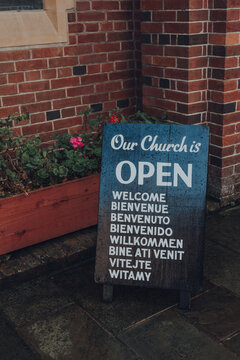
{"x":152,"y":206}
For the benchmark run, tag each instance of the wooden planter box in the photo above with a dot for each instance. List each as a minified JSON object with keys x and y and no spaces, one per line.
{"x":48,"y":212}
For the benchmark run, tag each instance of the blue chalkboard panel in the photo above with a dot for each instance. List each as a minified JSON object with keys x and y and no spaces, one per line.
{"x":152,"y":206}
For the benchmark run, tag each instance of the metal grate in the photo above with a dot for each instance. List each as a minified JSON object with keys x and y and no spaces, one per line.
{"x":6,"y":5}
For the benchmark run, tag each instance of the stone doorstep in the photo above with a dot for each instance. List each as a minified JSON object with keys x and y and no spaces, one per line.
{"x":51,"y":255}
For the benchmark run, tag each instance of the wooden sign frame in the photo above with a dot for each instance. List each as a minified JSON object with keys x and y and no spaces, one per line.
{"x":151,"y":222}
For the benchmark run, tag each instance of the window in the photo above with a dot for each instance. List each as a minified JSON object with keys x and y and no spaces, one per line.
{"x":44,"y":25}
{"x":6,"y":5}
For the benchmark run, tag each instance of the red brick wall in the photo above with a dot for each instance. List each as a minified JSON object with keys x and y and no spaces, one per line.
{"x":190,"y":67}
{"x":174,"y":57}
{"x":96,"y":68}
{"x":181,"y":59}
{"x":224,"y":99}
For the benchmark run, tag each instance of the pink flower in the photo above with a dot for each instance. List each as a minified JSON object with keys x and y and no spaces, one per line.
{"x":76,"y":142}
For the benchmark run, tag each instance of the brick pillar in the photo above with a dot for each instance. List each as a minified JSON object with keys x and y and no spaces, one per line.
{"x":224,"y":96}
{"x":190,"y":72}
{"x":174,"y":59}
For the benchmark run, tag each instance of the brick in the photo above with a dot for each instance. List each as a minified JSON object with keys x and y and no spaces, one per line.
{"x":106,"y":26}
{"x":31,"y":65}
{"x":153,"y":92}
{"x":164,"y":61}
{"x":83,"y":5}
{"x":3,"y":79}
{"x":119,"y":36}
{"x":8,"y":89}
{"x":16,"y":77}
{"x":18,"y":99}
{"x":79,"y":70}
{"x":91,"y":16}
{"x":164,"y":16}
{"x":37,"y":117}
{"x":200,"y":15}
{"x":108,"y":86}
{"x":37,"y":128}
{"x":230,"y":140}
{"x":108,"y":47}
{"x":66,"y":123}
{"x":75,"y":28}
{"x":146,"y":16}
{"x":6,"y":67}
{"x":63,"y":61}
{"x":69,"y":112}
{"x":95,"y":98}
{"x":90,"y":79}
{"x":119,"y":75}
{"x":199,"y":62}
{"x":107,"y":67}
{"x":37,"y":107}
{"x":47,"y":52}
{"x":77,"y":50}
{"x":91,"y":27}
{"x":151,"y":27}
{"x":105,"y":5}
{"x":192,"y":108}
{"x":64,"y":72}
{"x":147,"y":80}
{"x":164,"y":39}
{"x":49,"y":74}
{"x":14,"y":55}
{"x":34,"y":86}
{"x":125,"y":93}
{"x":120,"y":25}
{"x":176,"y":28}
{"x":124,"y":55}
{"x":65,"y":82}
{"x":164,"y":83}
{"x":50,"y":95}
{"x":146,"y":38}
{"x":80,"y":90}
{"x":94,"y":69}
{"x":196,"y":39}
{"x":5,"y":112}
{"x":152,"y":50}
{"x":65,"y":103}
{"x":119,"y":15}
{"x":71,"y":17}
{"x":222,"y":108}
{"x":32,"y":75}
{"x":91,"y":38}
{"x":53,"y":115}
{"x":93,"y":58}
{"x":151,"y":4}
{"x":176,"y":74}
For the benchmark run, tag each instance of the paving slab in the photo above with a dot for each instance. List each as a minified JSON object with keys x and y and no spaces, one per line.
{"x":222,"y":266}
{"x":233,"y":343}
{"x":31,"y":301}
{"x":224,"y":228}
{"x":73,"y":335}
{"x":216,"y":312}
{"x":12,"y":347}
{"x":171,"y":337}
{"x":129,"y":303}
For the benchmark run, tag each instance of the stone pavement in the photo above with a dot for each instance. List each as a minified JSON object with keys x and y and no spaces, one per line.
{"x":50,"y":307}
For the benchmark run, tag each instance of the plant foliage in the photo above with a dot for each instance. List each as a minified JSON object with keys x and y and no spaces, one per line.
{"x":27,"y":164}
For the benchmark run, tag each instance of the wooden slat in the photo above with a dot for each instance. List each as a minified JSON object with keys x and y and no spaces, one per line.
{"x":48,"y":213}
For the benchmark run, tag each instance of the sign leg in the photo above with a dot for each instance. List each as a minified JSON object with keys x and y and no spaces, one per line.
{"x":185,"y":300}
{"x":107,"y":293}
